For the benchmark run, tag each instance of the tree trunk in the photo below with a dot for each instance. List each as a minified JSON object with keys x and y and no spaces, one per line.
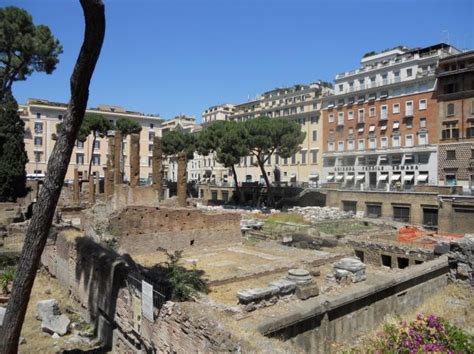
{"x":238,"y":196}
{"x":267,"y":182}
{"x":92,"y":155}
{"x":43,"y":213}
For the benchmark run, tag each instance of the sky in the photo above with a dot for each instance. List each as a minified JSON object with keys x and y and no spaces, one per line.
{"x":182,"y":56}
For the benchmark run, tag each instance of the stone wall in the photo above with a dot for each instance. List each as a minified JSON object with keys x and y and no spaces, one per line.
{"x":320,"y":321}
{"x":461,"y":260}
{"x":456,"y":214}
{"x":396,"y":255}
{"x":143,"y":229}
{"x":125,"y":195}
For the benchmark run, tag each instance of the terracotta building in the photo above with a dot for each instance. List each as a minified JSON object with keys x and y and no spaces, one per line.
{"x":380,"y":128}
{"x":455,"y":94}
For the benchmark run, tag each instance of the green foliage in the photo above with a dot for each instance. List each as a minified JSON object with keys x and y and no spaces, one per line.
{"x":96,"y":124}
{"x":24,"y":47}
{"x":81,"y":136}
{"x":227,"y":139}
{"x":128,"y":126}
{"x":176,"y":141}
{"x":6,"y":278}
{"x":13,"y":156}
{"x":183,"y":283}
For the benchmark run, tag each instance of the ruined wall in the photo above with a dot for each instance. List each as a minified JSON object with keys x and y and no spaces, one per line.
{"x":371,"y":252}
{"x":143,"y":229}
{"x":314,"y":326}
{"x":125,"y":195}
{"x":456,"y":214}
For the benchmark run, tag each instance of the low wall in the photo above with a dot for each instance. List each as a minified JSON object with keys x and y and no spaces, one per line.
{"x":125,"y":195}
{"x":142,"y":230}
{"x":317,"y":323}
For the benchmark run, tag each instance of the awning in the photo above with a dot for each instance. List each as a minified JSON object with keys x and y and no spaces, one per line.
{"x":422,"y":178}
{"x":396,"y":125}
{"x":339,"y":177}
{"x":330,"y":178}
{"x":293,"y":175}
{"x":396,"y":177}
{"x":360,"y":177}
{"x":372,"y":128}
{"x":408,"y":178}
{"x":383,"y":127}
{"x":383,"y":158}
{"x":383,"y":178}
{"x":361,"y":130}
{"x":350,"y":177}
{"x":313,"y":176}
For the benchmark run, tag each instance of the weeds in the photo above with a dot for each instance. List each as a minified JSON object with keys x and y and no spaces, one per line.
{"x":6,"y":278}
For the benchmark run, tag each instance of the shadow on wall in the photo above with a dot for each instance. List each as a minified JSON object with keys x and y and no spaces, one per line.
{"x":102,"y":272}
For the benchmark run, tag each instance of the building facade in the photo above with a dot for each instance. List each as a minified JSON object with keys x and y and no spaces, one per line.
{"x":380,"y":128}
{"x":41,"y":118}
{"x":301,"y":103}
{"x":455,"y":94}
{"x":216,"y":113}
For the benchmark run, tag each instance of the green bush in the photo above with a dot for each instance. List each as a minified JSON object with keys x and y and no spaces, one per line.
{"x":6,"y":278}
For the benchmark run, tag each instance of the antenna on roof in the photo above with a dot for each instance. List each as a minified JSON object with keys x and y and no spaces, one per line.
{"x":445,"y":36}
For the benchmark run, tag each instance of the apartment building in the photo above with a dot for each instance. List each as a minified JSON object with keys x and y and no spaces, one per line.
{"x":455,"y":94}
{"x":301,"y":103}
{"x":216,"y":113}
{"x":380,"y":127}
{"x":41,"y":118}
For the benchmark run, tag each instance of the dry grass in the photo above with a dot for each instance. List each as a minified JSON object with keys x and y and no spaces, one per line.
{"x":287,"y":218}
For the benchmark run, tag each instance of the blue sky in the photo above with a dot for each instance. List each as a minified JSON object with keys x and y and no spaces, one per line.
{"x":177,"y":56}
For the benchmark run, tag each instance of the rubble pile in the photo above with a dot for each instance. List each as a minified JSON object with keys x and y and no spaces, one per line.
{"x":461,"y":258}
{"x":315,"y":214}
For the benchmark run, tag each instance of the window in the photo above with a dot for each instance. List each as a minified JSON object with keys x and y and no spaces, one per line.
{"x":293,"y":159}
{"x":38,"y":115}
{"x":340,"y":146}
{"x":314,"y":156}
{"x":151,"y":135}
{"x":301,"y":109}
{"x":409,"y":140}
{"x":372,"y":112}
{"x":396,"y":141}
{"x":97,"y":145}
{"x":340,"y":118}
{"x":96,"y":159}
{"x":150,"y":147}
{"x":451,"y":180}
{"x":423,"y":139}
{"x":79,"y":144}
{"x":409,"y":108}
{"x":277,"y":159}
{"x":331,"y":118}
{"x":450,"y":131}
{"x":401,"y":214}
{"x":383,"y":112}
{"x":422,"y":105}
{"x":409,"y":123}
{"x":361,"y":116}
{"x":374,"y":211}
{"x":450,"y":109}
{"x":372,"y":143}
{"x":60,"y":116}
{"x":472,"y":103}
{"x":315,"y":135}
{"x":450,"y":154}
{"x":383,"y":142}
{"x":341,"y":87}
{"x":80,"y":159}
{"x":409,"y":72}
{"x":396,"y":108}
{"x":38,"y":128}
{"x":38,"y":155}
{"x":350,"y":115}
{"x":423,"y":123}
{"x":38,"y":141}
{"x":350,"y":145}
{"x":361,"y":144}
{"x":303,"y":156}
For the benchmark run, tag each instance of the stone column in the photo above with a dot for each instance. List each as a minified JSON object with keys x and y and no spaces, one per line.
{"x":76,"y":187}
{"x":118,"y":158}
{"x":157,"y":166}
{"x":134,"y":160}
{"x":181,"y":185}
{"x":110,"y":169}
{"x":91,"y":189}
{"x":97,"y":182}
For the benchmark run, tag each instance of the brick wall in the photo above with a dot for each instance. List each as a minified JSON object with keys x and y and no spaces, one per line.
{"x":462,"y":166}
{"x":143,"y":229}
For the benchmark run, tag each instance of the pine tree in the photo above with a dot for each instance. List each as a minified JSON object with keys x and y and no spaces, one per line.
{"x":13,"y":156}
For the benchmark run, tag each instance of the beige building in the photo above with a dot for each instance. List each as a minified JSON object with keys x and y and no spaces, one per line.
{"x":301,"y":103}
{"x":41,"y":118}
{"x":219,"y":112}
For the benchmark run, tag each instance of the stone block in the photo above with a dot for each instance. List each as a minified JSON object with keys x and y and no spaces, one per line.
{"x":286,"y":286}
{"x":299,"y":276}
{"x":56,"y":324}
{"x":304,"y":292}
{"x":350,"y":264}
{"x":47,"y":308}
{"x":256,"y":294}
{"x":2,"y":314}
{"x":441,"y":248}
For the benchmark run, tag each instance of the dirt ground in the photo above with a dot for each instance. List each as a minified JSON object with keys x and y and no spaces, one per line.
{"x":37,"y":341}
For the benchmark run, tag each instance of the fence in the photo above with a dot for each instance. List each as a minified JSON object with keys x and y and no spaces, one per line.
{"x":135,"y":281}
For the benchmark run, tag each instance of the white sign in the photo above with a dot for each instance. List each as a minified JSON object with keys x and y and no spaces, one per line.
{"x":147,"y":300}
